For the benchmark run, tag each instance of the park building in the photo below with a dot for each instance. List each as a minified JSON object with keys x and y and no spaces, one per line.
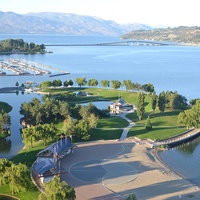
{"x":120,"y":106}
{"x":48,"y":160}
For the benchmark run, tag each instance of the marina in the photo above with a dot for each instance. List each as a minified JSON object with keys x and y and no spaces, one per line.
{"x":24,"y":67}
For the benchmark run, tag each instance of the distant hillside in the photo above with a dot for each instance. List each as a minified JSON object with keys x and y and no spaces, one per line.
{"x":182,"y":34}
{"x":61,"y":23}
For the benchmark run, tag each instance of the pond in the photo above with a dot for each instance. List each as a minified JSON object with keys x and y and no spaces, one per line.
{"x":10,"y":146}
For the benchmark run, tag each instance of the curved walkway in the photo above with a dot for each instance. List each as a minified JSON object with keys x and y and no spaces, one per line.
{"x":126,"y":129}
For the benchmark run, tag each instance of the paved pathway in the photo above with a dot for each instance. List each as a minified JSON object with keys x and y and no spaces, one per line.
{"x":126,"y":129}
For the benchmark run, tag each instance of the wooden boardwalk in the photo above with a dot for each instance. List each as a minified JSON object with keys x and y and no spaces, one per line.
{"x":179,"y":139}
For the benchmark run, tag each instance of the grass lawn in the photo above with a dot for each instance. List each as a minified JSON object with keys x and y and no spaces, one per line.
{"x":32,"y":192}
{"x":28,"y":155}
{"x":105,"y":134}
{"x":168,"y":118}
{"x":112,"y":122}
{"x":98,"y":94}
{"x":157,"y":133}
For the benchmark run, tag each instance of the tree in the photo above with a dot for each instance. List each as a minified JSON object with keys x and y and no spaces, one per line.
{"x":17,"y":84}
{"x":4,"y":122}
{"x":55,"y":189}
{"x":116,"y":84}
{"x":45,"y":132}
{"x":4,"y":165}
{"x":64,"y":109}
{"x":161,"y":102}
{"x":193,"y":101}
{"x":32,"y":45}
{"x":140,"y":105}
{"x":105,"y":83}
{"x":190,"y":117}
{"x":174,"y":100}
{"x":66,"y":83}
{"x":128,"y":84}
{"x":93,"y":82}
{"x":69,"y":126}
{"x":148,"y":125}
{"x":18,"y":177}
{"x":29,"y":135}
{"x":82,"y":130}
{"x":148,"y":87}
{"x":92,"y":120}
{"x":81,"y":81}
{"x":56,"y":83}
{"x":137,"y":86}
{"x":154,"y":101}
{"x":46,"y":84}
{"x":84,"y":112}
{"x":70,"y":82}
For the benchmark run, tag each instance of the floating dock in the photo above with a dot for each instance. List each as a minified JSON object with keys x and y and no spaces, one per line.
{"x":24,"y":67}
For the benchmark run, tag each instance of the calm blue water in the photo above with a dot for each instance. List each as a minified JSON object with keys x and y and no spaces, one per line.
{"x":14,"y":144}
{"x":185,"y":159}
{"x":174,"y":68}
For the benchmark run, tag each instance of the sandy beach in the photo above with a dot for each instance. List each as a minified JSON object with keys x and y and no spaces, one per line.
{"x":115,"y":169}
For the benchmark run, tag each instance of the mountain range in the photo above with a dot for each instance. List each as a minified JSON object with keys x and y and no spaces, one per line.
{"x":63,"y":23}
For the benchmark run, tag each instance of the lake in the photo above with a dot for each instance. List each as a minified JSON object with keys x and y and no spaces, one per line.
{"x":185,"y":159}
{"x":173,"y":68}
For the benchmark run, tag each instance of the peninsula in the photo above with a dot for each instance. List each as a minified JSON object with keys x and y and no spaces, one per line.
{"x":182,"y":35}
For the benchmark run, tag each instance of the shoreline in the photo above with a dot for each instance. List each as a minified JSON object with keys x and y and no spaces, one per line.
{"x":171,"y":169}
{"x":155,"y":172}
{"x":142,"y":173}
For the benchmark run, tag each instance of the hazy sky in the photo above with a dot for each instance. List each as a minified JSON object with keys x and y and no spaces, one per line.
{"x":150,"y":12}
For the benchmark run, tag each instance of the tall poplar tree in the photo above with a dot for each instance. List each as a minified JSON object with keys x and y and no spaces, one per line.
{"x":140,"y":105}
{"x":154,"y":101}
{"x":161,"y":101}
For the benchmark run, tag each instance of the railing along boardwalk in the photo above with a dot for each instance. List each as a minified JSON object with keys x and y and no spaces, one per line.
{"x":179,"y":139}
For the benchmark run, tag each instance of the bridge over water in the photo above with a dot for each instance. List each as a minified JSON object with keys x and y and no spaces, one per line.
{"x":121,"y":43}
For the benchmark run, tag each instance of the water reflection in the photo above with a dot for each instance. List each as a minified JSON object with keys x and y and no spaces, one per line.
{"x":185,"y":160}
{"x":189,"y":147}
{"x":5,"y":145}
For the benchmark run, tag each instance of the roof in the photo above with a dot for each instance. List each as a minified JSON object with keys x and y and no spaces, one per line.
{"x":44,"y":165}
{"x":56,"y":148}
{"x":121,"y":101}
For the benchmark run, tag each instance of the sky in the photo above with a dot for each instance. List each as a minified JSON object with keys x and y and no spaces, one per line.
{"x":167,"y":13}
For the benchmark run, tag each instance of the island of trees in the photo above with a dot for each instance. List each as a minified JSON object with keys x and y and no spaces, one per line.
{"x":12,"y":46}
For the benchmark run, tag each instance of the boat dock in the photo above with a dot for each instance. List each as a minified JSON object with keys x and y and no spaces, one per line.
{"x":24,"y":67}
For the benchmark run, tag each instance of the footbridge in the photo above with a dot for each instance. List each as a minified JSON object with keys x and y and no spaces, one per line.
{"x":120,"y":43}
